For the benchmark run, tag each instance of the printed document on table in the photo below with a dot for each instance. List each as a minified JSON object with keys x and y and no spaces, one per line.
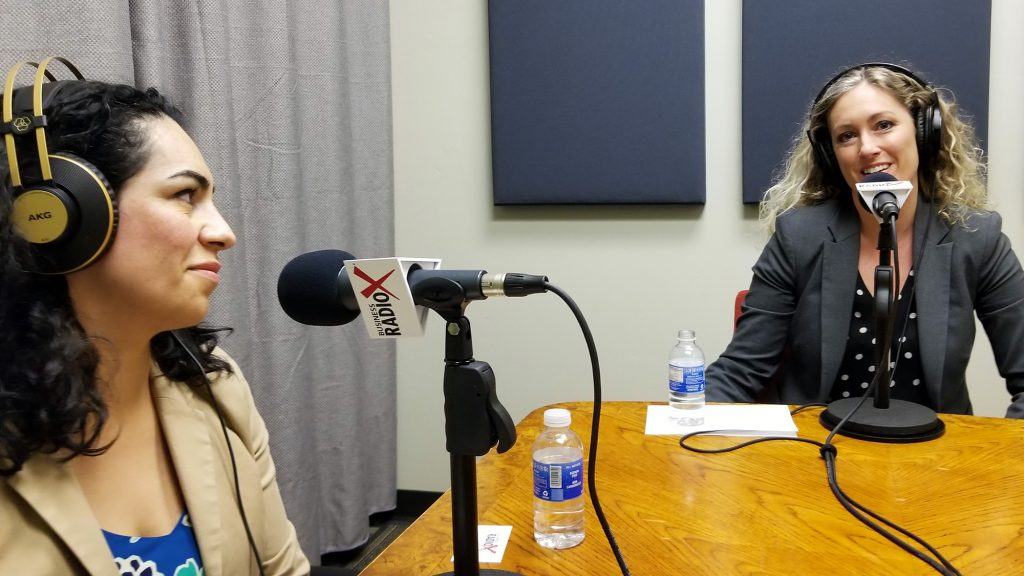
{"x":724,"y":419}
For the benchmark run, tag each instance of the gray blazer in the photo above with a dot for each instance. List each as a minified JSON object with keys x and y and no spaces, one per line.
{"x":801,"y":300}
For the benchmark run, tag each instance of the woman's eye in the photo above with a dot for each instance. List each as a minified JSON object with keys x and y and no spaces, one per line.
{"x":187,"y":195}
{"x":886,"y":124}
{"x":844,"y":137}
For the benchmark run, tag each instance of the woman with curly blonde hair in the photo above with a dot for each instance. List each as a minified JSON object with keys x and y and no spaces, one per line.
{"x":956,"y":185}
{"x":806,"y":333}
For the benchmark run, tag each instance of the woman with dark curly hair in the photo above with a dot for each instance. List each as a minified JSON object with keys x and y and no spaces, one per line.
{"x":113,"y":459}
{"x":811,"y":292}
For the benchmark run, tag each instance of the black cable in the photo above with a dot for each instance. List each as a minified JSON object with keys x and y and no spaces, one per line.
{"x":796,"y":411}
{"x":231,"y":452}
{"x":851,"y":505}
{"x":847,"y":502}
{"x":234,"y":470}
{"x":595,"y":424}
{"x":828,"y":453}
{"x":914,"y":267}
{"x":867,"y":394}
{"x":894,"y":361}
{"x":893,"y":309}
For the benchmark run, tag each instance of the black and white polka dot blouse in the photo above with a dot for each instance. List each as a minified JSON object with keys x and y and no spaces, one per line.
{"x":858,"y":366}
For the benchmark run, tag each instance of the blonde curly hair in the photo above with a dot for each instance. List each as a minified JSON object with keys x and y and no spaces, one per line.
{"x":954,"y":181}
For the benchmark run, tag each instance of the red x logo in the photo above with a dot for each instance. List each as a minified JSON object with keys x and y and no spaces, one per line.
{"x":375,"y":285}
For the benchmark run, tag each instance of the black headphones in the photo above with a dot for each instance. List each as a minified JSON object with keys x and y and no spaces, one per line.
{"x":68,"y":211}
{"x":928,"y":120}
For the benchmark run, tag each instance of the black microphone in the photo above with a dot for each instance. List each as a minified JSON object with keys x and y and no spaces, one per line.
{"x":314,"y":288}
{"x":883,"y":195}
{"x":884,"y":204}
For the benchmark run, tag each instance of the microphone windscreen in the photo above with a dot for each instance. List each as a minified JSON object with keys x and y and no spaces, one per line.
{"x":311,"y":289}
{"x":879,"y":177}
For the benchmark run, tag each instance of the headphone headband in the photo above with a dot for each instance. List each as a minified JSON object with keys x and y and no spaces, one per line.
{"x":37,"y":110}
{"x":38,"y":120}
{"x":886,"y":65}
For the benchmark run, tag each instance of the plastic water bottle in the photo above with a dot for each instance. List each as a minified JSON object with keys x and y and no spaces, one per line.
{"x":557,"y":483}
{"x":686,"y":379}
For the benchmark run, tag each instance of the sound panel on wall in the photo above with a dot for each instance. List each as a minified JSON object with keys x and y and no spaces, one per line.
{"x":597,"y":101}
{"x":792,"y":47}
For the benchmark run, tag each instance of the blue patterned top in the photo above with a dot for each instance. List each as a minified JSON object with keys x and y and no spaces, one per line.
{"x":176,"y":554}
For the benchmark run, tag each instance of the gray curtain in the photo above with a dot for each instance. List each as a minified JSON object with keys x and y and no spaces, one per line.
{"x":290,"y":103}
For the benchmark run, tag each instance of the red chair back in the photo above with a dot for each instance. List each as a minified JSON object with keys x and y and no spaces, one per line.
{"x":741,"y":296}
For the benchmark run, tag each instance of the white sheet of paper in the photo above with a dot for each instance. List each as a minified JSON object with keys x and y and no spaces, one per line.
{"x":726,"y":419}
{"x":493,"y":541}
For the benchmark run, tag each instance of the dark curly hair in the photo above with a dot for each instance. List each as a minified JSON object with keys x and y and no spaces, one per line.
{"x":49,"y":398}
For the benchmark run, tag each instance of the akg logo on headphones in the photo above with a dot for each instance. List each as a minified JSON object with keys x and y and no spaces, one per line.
{"x":21,"y":124}
{"x":40,"y":216}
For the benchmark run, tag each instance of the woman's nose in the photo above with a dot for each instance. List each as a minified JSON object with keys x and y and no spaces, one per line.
{"x":216,"y":232}
{"x":868,"y":145}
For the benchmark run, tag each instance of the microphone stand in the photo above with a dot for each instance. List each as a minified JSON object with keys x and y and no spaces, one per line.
{"x":885,"y":420}
{"x":474,"y":419}
{"x":885,"y":303}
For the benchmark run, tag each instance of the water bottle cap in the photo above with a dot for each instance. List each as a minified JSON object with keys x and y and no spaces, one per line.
{"x":687,"y":335}
{"x":557,"y":418}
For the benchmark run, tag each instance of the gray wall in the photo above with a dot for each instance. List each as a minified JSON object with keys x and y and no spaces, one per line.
{"x":639,"y":274}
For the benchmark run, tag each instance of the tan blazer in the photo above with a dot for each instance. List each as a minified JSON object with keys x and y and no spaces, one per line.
{"x":47,"y":527}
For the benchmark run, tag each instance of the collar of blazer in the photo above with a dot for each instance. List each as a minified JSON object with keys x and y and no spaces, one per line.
{"x":50,"y":488}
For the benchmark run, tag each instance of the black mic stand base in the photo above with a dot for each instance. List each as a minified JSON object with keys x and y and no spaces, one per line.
{"x":901,"y":422}
{"x":488,"y":572}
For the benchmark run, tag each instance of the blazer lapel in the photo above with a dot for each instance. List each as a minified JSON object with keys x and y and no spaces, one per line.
{"x":50,"y":488}
{"x":188,"y":439}
{"x":932,"y":295}
{"x":838,"y":281}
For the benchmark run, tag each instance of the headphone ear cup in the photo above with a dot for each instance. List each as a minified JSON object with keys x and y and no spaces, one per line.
{"x":80,"y":208}
{"x":933,"y":136}
{"x":920,"y":134}
{"x":929,"y":134}
{"x":823,"y":153}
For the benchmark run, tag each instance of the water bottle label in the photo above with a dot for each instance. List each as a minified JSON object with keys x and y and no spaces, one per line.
{"x":558,"y":482}
{"x":686,"y":380}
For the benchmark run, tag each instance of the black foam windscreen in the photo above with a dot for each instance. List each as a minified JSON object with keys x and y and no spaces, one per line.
{"x":314,"y":289}
{"x":879,"y":177}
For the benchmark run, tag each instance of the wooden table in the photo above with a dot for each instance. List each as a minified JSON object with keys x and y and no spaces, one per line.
{"x":765,"y":509}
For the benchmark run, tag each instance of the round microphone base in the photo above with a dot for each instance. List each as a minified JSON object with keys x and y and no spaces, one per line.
{"x":488,"y":573}
{"x":901,"y":422}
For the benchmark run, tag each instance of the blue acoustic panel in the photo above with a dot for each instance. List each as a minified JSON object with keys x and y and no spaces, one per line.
{"x":792,"y":47}
{"x":597,"y":101}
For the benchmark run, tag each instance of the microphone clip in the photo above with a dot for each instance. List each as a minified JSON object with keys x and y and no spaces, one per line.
{"x":442,"y":295}
{"x":474,"y":418}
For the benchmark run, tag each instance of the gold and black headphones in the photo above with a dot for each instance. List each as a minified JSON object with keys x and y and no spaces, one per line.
{"x":67,"y":211}
{"x":928,"y":120}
